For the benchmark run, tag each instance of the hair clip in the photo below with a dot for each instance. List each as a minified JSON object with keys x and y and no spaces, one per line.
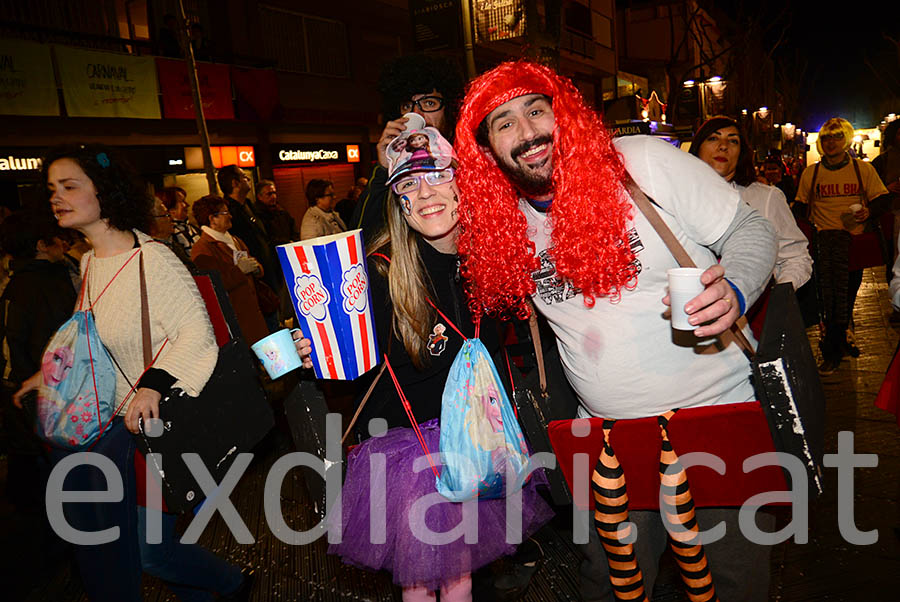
{"x":103,"y":160}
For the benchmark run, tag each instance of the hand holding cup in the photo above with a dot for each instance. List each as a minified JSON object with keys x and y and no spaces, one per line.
{"x":860,"y":212}
{"x":303,"y":347}
{"x":716,"y":306}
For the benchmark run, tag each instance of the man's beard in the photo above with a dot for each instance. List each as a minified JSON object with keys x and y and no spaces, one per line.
{"x":527,"y":181}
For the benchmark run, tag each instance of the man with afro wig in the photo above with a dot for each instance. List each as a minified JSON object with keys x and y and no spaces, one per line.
{"x":428,"y":85}
{"x":545,"y":219}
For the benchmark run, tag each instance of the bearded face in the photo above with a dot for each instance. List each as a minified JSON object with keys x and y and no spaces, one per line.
{"x":520,"y":133}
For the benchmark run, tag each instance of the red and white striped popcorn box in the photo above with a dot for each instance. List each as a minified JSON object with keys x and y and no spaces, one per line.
{"x":329,"y":287}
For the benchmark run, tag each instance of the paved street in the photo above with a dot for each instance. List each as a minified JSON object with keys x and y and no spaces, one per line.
{"x":826,"y":568}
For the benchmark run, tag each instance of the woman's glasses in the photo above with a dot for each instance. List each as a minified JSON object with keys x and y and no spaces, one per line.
{"x":434,"y":178}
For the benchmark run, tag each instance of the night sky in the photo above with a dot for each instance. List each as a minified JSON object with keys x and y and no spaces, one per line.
{"x":837,"y":41}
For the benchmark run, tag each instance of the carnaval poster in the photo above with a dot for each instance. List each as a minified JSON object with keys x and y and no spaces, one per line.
{"x":27,"y":86}
{"x":105,"y":84}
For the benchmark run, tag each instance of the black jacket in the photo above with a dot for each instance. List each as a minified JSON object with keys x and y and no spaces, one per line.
{"x":369,"y":211}
{"x":247,"y":226}
{"x":280,"y":225}
{"x":37,"y":300}
{"x":424,"y":389}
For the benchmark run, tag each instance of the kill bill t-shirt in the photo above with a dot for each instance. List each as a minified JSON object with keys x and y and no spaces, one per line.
{"x":835,"y":191}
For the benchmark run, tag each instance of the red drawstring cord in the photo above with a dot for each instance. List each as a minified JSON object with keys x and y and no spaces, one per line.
{"x":87,"y":334}
{"x":512,"y":386}
{"x":403,"y":399}
{"x":93,"y":377}
{"x":452,"y":325}
{"x":412,"y":419}
{"x":90,"y":353}
{"x":94,"y":301}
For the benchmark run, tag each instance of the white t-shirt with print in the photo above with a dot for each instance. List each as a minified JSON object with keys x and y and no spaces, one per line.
{"x":620,"y":357}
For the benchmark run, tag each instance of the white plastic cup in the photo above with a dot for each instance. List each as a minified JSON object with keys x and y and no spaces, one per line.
{"x":684,"y":285}
{"x":855,"y":207}
{"x":416,"y":121}
{"x":278,"y":353}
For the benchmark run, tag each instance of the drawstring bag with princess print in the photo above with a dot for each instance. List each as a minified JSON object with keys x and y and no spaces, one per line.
{"x":483,"y":450}
{"x":78,"y":381}
{"x":78,"y":385}
{"x":482,"y":447}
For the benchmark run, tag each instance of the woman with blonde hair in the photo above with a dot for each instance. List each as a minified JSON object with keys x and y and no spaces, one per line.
{"x":417,"y":295}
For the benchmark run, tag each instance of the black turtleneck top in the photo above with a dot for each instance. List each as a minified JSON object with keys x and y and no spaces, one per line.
{"x":425,"y":388}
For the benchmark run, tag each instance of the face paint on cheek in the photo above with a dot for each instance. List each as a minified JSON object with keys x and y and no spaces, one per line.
{"x":406,"y":205}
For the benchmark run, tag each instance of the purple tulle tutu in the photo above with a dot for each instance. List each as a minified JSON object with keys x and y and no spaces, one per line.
{"x":411,"y":560}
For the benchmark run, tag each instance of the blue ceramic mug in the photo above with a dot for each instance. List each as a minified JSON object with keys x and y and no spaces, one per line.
{"x":277,"y":353}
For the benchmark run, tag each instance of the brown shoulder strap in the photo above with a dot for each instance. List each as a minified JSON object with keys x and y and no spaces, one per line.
{"x":362,"y":403}
{"x":145,"y":315}
{"x":368,"y":394}
{"x":813,"y":195}
{"x":538,"y":349}
{"x":645,"y":204}
{"x":861,"y":190}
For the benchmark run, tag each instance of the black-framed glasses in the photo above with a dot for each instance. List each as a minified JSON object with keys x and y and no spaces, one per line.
{"x":838,"y":136}
{"x":434,"y":178}
{"x":162,"y":215}
{"x":426,"y":104}
{"x":226,"y":212}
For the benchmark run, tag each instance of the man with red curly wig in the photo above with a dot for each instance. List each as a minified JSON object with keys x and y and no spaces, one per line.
{"x":545,"y":216}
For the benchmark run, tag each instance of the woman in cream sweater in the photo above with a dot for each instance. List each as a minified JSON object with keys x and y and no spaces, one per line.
{"x":93,"y":191}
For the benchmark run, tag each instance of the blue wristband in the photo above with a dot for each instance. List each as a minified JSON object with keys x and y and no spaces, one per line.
{"x":742,"y":303}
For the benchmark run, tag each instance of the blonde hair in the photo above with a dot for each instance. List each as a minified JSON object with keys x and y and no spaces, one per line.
{"x":477,"y":423}
{"x":835,"y":125}
{"x":408,"y":283}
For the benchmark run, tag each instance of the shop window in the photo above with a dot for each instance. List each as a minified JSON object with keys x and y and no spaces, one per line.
{"x":291,"y":184}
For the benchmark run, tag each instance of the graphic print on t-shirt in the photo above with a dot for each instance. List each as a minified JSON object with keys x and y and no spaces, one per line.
{"x":634,"y":241}
{"x":553,"y":289}
{"x":824,"y":191}
{"x":550,"y":287}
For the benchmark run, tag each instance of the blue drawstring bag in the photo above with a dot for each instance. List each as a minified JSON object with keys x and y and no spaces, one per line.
{"x":78,"y":385}
{"x":482,"y":446}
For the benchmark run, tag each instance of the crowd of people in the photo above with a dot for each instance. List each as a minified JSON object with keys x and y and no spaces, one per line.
{"x":494,"y":201}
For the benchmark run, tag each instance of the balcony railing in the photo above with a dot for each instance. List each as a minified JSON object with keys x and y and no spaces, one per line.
{"x":578,"y":43}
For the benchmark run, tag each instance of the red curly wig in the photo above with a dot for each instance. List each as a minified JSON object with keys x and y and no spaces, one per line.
{"x":589,"y":214}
